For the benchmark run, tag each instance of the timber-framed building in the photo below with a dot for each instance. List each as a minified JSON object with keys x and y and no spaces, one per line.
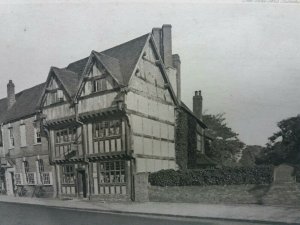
{"x":115,"y":114}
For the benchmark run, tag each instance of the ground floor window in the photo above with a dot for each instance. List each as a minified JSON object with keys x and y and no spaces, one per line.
{"x":111,"y":177}
{"x":68,"y":174}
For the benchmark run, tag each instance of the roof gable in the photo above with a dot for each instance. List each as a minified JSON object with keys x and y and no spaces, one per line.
{"x":128,"y":55}
{"x":155,"y":56}
{"x":112,"y":65}
{"x":120,"y":61}
{"x":69,"y":80}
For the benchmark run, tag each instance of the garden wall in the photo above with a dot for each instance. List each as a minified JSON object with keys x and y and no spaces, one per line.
{"x":229,"y":194}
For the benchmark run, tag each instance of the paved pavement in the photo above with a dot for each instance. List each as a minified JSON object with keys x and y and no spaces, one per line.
{"x":21,"y":214}
{"x":272,"y":214}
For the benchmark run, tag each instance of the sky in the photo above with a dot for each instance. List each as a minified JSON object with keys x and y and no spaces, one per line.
{"x":243,"y":55}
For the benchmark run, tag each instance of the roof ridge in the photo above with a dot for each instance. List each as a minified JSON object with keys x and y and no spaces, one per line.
{"x":106,"y":55}
{"x":125,"y":42}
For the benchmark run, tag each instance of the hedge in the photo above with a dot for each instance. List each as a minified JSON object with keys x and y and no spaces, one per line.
{"x":223,"y":176}
{"x":298,"y":175}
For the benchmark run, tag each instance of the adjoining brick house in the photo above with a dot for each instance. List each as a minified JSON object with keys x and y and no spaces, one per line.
{"x":113,"y":114}
{"x":24,"y":153}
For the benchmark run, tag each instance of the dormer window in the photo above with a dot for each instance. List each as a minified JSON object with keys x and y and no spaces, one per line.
{"x":60,"y":96}
{"x":99,"y":85}
{"x":54,"y":96}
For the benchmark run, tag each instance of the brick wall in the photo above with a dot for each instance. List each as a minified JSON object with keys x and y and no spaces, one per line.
{"x":288,"y":194}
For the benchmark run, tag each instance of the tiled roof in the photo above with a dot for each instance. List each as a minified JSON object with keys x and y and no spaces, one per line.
{"x":128,"y":55}
{"x":25,"y":105}
{"x":121,"y":59}
{"x":112,"y":65}
{"x":3,"y":109}
{"x":78,"y":66}
{"x":69,"y":80}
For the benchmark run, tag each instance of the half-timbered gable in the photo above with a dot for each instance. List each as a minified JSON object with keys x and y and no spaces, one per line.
{"x":61,"y":87}
{"x":100,"y":86}
{"x":150,"y":105}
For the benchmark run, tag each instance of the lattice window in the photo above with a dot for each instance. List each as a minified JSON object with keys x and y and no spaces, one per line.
{"x":112,"y":177}
{"x":107,"y":128}
{"x":112,"y":172}
{"x":68,"y":174}
{"x":66,"y":135}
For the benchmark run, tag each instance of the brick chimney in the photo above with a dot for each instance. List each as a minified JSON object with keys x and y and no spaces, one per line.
{"x":197,"y":104}
{"x":163,"y":40}
{"x":11,"y":98}
{"x":156,"y":32}
{"x":177,"y":66}
{"x":167,"y":44}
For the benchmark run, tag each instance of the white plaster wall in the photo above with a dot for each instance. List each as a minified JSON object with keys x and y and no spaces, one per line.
{"x":96,"y":102}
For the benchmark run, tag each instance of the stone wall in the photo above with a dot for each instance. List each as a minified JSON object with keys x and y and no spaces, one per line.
{"x":141,"y":187}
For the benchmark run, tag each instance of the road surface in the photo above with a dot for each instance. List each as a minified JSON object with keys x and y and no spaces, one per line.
{"x":21,"y":214}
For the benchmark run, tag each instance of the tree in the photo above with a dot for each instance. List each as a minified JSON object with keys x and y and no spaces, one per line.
{"x":249,"y":154}
{"x":226,"y":144}
{"x":284,"y":145}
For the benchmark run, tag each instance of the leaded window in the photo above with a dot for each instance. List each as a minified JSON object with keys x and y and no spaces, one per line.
{"x":68,"y":174}
{"x":99,"y":85}
{"x":107,"y":136}
{"x":112,"y":177}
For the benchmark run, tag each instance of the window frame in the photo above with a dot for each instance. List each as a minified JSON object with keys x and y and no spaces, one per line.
{"x":68,"y":174}
{"x":99,"y":84}
{"x":11,"y":137}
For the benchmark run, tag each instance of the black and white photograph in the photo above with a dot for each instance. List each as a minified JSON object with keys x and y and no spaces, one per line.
{"x":149,"y":112}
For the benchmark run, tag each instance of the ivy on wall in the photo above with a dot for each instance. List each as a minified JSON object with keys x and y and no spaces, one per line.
{"x":181,"y":137}
{"x":186,"y":140}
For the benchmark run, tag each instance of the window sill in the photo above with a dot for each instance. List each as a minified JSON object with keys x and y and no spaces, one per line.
{"x":35,"y":144}
{"x":11,"y":148}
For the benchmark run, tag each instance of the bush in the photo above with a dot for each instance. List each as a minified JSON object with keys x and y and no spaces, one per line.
{"x":297,"y":175}
{"x":223,"y":176}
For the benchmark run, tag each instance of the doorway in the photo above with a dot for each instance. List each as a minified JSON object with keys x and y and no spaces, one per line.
{"x":12,"y":174}
{"x":82,"y":184}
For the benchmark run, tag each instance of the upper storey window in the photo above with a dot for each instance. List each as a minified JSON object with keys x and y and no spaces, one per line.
{"x":54,"y":94}
{"x":11,"y":137}
{"x":99,"y":85}
{"x":1,"y":140}
{"x":66,"y":136}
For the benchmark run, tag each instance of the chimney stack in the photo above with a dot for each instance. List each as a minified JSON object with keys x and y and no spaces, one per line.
{"x":11,"y":98}
{"x":167,"y":44}
{"x":177,"y":66}
{"x":163,"y":40}
{"x":197,"y":104}
{"x":156,"y":32}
